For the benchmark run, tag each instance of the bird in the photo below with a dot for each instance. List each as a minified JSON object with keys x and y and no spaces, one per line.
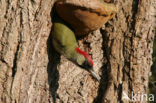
{"x":65,"y":43}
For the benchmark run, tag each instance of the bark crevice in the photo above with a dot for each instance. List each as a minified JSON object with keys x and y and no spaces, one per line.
{"x":14,"y":68}
{"x":106,"y":77}
{"x":134,"y":13}
{"x":52,"y":70}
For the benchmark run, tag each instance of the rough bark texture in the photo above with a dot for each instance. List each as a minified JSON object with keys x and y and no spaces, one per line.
{"x":31,"y":71}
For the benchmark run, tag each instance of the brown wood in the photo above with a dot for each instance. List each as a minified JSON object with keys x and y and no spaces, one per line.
{"x":85,"y":16}
{"x":31,"y":71}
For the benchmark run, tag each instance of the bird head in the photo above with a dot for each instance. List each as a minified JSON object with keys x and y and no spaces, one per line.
{"x":85,"y":61}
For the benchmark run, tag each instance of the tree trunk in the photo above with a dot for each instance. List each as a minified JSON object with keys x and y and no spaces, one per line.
{"x":31,"y":71}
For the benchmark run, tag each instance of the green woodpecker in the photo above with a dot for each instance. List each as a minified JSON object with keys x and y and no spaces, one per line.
{"x":64,"y":41}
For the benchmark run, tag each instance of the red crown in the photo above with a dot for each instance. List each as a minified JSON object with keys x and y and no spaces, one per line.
{"x":86,"y":55}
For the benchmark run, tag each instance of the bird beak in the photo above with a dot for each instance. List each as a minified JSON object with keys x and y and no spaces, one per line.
{"x":94,"y":75}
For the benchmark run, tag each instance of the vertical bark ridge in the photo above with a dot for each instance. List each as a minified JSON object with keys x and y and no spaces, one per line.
{"x":32,"y":71}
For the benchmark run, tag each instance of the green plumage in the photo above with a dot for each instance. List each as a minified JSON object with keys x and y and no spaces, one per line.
{"x":64,"y":41}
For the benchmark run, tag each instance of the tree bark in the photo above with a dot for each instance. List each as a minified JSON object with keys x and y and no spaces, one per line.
{"x":31,"y":71}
